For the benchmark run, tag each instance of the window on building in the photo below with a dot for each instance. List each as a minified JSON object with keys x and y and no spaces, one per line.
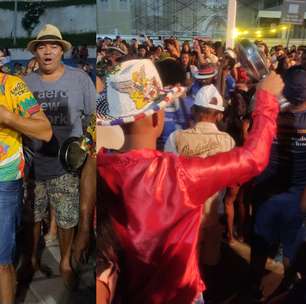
{"x":155,"y":8}
{"x":272,"y":3}
{"x":105,"y":4}
{"x":123,"y":4}
{"x":216,"y":3}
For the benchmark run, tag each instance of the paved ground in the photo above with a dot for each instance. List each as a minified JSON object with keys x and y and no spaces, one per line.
{"x":51,"y":290}
{"x":233,"y":270}
{"x":227,"y":281}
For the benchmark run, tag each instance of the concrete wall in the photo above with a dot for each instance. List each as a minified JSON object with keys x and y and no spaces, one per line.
{"x":70,"y":19}
{"x":114,"y":17}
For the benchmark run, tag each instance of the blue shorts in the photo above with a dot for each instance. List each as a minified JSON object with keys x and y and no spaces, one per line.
{"x":279,"y":219}
{"x":301,"y":237}
{"x":10,"y":214}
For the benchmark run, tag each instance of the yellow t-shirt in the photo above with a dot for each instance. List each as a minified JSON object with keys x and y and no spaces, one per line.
{"x":15,"y":97}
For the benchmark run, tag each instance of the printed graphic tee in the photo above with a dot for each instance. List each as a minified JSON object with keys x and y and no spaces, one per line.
{"x":287,"y":165}
{"x":67,"y":102}
{"x":15,"y":97}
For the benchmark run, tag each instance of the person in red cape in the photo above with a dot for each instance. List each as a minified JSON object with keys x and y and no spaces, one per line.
{"x":155,"y":199}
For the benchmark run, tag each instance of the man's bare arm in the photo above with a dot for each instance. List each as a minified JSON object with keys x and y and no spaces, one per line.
{"x":87,"y":205}
{"x":36,"y":126}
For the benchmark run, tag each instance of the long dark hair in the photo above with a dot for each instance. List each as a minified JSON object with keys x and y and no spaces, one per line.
{"x":234,"y":115}
{"x":109,"y":251}
{"x":107,"y":243}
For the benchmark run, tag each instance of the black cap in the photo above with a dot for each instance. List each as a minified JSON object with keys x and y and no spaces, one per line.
{"x":295,"y":85}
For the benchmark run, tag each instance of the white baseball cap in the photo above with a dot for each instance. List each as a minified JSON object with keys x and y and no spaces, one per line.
{"x":209,"y":97}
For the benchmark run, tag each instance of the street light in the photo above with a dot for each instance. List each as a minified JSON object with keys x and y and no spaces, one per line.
{"x":236,"y":33}
{"x":231,"y":23}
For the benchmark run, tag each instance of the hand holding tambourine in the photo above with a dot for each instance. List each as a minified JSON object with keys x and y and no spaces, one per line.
{"x":252,"y":60}
{"x":256,"y":66}
{"x":74,"y":151}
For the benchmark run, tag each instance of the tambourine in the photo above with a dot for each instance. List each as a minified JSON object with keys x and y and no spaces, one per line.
{"x":72,"y":154}
{"x":252,"y":60}
{"x":74,"y":151}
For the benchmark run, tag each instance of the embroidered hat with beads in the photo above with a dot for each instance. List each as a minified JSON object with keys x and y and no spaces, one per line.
{"x":206,"y":71}
{"x":134,"y":91}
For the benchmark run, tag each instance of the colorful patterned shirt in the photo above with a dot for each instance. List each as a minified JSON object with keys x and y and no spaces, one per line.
{"x":15,"y":97}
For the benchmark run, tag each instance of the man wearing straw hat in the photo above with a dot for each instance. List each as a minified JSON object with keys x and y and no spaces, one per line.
{"x":67,"y":96}
{"x":155,"y":199}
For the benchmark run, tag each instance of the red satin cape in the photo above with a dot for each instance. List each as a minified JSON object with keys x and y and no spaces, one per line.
{"x":158,"y":206}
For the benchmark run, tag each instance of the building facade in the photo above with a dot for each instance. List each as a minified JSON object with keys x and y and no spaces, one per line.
{"x":114,"y":17}
{"x":168,"y":17}
{"x":180,"y":18}
{"x":184,"y":18}
{"x":172,"y":17}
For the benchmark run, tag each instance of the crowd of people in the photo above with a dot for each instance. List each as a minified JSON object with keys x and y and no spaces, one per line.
{"x":40,"y":110}
{"x":190,"y":160}
{"x":194,"y":152}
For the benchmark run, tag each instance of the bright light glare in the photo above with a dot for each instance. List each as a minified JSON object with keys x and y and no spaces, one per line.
{"x":236,"y":33}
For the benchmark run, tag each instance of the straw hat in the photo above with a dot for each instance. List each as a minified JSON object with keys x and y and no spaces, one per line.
{"x":49,"y":33}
